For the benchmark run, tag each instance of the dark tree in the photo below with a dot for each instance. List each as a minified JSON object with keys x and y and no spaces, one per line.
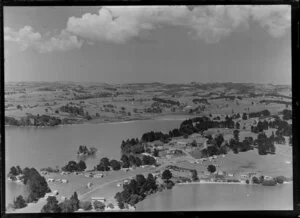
{"x":13,"y":171}
{"x":155,"y":152}
{"x":236,"y":135}
{"x":245,"y":116}
{"x":211,"y":168}
{"x":166,"y":175}
{"x":51,"y":206}
{"x":125,"y":161}
{"x":138,"y":161}
{"x":36,"y":184}
{"x":81,"y":165}
{"x":74,"y":201}
{"x":19,"y":202}
{"x":194,"y":175}
{"x":116,"y":165}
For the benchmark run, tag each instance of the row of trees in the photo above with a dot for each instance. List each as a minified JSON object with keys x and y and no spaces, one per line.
{"x":166,"y":101}
{"x":72,"y":110}
{"x":72,"y":166}
{"x":43,"y":120}
{"x":126,"y":162}
{"x":106,"y":164}
{"x":264,"y":113}
{"x":67,"y":206}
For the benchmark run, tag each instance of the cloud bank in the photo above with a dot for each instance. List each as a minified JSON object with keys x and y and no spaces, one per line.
{"x":119,"y":24}
{"x":26,"y":37}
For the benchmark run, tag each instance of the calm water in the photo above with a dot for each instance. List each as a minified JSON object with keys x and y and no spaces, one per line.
{"x":43,"y":147}
{"x":220,"y":197}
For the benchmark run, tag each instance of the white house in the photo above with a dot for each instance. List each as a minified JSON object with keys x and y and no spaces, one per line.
{"x":100,"y":175}
{"x":64,"y":181}
{"x":50,"y":180}
{"x":101,"y":199}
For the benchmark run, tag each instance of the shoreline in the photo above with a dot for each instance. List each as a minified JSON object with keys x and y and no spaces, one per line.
{"x":113,"y":121}
{"x":209,"y":182}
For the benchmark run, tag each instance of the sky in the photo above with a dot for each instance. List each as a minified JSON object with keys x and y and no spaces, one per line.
{"x":170,"y":44}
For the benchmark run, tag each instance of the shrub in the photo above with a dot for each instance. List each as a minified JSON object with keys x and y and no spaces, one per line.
{"x":280,"y":179}
{"x":99,"y":206}
{"x":170,"y":184}
{"x":255,"y":180}
{"x":271,"y":182}
{"x":166,"y":175}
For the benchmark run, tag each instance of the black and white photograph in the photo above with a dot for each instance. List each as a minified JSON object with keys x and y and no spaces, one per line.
{"x":147,"y":108}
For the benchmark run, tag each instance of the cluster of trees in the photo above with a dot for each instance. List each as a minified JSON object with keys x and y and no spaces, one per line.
{"x":198,"y":100}
{"x":72,"y":110}
{"x":35,"y":184}
{"x":282,"y":126}
{"x":216,"y":146}
{"x":237,"y":146}
{"x":153,"y":136}
{"x":15,"y":171}
{"x":269,"y":182}
{"x":84,"y":150}
{"x":72,"y":166}
{"x":19,"y":202}
{"x":11,"y":121}
{"x":106,"y":164}
{"x":283,"y":129}
{"x":132,"y":146}
{"x":67,"y":206}
{"x":156,"y":110}
{"x":136,"y":190}
{"x":265,"y":144}
{"x":166,"y":101}
{"x":43,"y":120}
{"x":264,"y":113}
{"x":261,"y":126}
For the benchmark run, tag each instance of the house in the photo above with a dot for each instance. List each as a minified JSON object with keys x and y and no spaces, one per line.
{"x":242,"y":176}
{"x":101,"y":199}
{"x":64,"y":181}
{"x":230,"y":174}
{"x":119,"y":185}
{"x":220,"y":173}
{"x":63,"y":173}
{"x":50,"y":180}
{"x":126,"y":181}
{"x":100,"y":175}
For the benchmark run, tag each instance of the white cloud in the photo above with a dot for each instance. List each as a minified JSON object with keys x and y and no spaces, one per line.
{"x":119,"y":24}
{"x":26,"y":37}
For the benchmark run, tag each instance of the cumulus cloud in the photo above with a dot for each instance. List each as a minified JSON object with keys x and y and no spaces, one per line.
{"x":26,"y":37}
{"x":119,"y":24}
